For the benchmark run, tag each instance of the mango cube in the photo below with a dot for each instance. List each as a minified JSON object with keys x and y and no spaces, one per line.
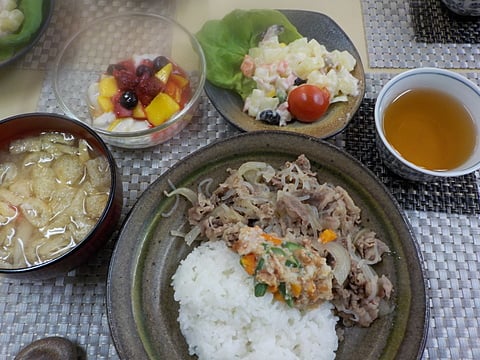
{"x":164,"y":73}
{"x":105,"y":103}
{"x":107,"y":86}
{"x":161,"y":109}
{"x":114,"y":124}
{"x":139,"y":111}
{"x":179,"y":80}
{"x":174,"y":91}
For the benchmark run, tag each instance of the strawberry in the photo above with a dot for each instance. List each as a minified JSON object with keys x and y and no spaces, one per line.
{"x":148,"y":88}
{"x":126,"y":80}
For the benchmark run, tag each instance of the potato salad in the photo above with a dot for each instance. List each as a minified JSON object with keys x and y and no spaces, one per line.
{"x":11,"y":18}
{"x":298,"y":80}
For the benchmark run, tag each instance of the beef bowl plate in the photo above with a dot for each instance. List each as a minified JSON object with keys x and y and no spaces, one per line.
{"x":60,"y":195}
{"x":135,"y":78}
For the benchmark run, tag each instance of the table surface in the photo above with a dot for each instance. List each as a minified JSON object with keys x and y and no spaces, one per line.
{"x":391,"y":36}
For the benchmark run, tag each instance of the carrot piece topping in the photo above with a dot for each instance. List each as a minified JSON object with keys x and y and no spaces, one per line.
{"x":296,"y":289}
{"x":249,"y":263}
{"x":327,"y":235}
{"x":272,"y":239}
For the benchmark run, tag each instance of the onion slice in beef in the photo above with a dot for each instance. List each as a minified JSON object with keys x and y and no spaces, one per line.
{"x":192,"y":235}
{"x":189,"y":194}
{"x":371,"y":279}
{"x":342,"y":262}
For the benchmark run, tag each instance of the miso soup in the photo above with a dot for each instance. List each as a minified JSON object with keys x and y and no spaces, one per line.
{"x":53,"y":189}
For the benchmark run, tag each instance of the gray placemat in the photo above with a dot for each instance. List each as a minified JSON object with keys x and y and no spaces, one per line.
{"x":74,"y":305}
{"x":392,"y":41}
{"x":450,"y":245}
{"x":70,"y":16}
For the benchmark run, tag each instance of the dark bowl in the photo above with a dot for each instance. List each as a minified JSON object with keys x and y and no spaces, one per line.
{"x":33,"y":124}
{"x":47,"y":11}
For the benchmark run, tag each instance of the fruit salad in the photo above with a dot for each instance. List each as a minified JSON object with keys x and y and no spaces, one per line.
{"x":138,"y":93}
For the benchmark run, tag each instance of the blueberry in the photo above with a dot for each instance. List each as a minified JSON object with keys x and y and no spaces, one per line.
{"x":144,"y":69}
{"x":299,"y":81}
{"x":128,"y":100}
{"x":159,"y":62}
{"x":270,"y":117}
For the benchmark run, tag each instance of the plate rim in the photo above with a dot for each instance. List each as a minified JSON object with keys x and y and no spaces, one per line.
{"x":134,"y":249}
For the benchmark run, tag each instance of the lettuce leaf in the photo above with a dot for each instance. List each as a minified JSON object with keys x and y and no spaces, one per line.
{"x":225,"y":43}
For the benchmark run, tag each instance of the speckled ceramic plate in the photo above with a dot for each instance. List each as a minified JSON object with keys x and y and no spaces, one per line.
{"x":142,"y":312}
{"x":312,"y":25}
{"x":47,"y":11}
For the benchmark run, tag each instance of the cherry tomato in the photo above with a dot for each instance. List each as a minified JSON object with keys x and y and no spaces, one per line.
{"x":307,"y":103}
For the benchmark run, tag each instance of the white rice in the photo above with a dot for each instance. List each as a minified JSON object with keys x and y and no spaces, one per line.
{"x":221,"y":318}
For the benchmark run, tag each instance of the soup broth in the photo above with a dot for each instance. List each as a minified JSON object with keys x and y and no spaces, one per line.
{"x":431,"y":129}
{"x":53,"y":189}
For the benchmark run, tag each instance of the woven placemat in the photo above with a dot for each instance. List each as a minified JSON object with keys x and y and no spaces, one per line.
{"x":71,"y":15}
{"x":74,"y":305}
{"x":452,"y":195}
{"x":449,"y":244}
{"x":433,"y":22}
{"x":393,"y":41}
